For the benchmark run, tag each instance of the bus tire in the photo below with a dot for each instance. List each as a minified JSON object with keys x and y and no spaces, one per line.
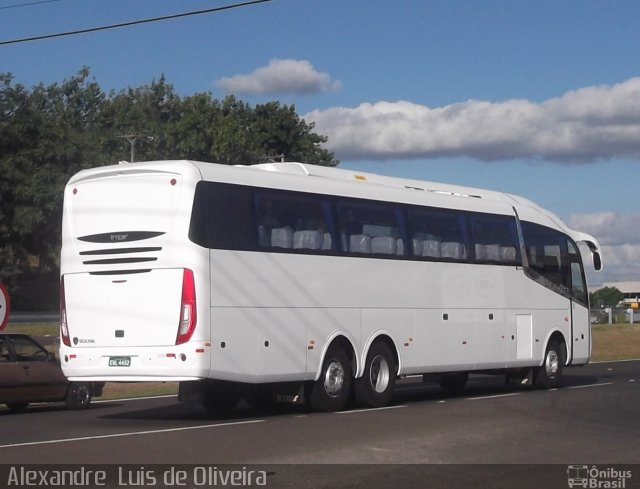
{"x":548,"y":375}
{"x":454,"y":383}
{"x":375,"y":387}
{"x":332,"y":390}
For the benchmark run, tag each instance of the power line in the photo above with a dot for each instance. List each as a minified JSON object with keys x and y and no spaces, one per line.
{"x":18,"y":5}
{"x":134,"y":22}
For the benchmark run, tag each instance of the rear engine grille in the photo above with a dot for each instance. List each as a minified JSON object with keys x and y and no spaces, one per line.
{"x":120,"y":272}
{"x":121,"y":251}
{"x":119,"y":261}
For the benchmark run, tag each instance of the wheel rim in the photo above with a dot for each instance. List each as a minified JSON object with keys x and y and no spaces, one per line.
{"x":334,"y":378}
{"x":552,"y":363}
{"x":379,"y":374}
{"x":81,"y":394}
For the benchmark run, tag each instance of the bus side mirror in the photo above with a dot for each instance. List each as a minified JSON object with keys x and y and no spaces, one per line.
{"x":597,"y":261}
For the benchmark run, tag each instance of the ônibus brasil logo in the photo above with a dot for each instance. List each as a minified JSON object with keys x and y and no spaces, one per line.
{"x":592,"y":477}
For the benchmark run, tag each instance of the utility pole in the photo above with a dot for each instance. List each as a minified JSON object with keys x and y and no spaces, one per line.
{"x":131,"y":139}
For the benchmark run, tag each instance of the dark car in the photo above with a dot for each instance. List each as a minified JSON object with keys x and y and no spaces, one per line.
{"x":30,"y":373}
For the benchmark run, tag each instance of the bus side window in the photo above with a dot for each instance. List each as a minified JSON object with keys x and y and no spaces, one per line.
{"x":213,"y":226}
{"x":371,"y":228}
{"x":437,"y":233}
{"x":495,"y":239}
{"x":292,"y":221}
{"x":547,"y":254}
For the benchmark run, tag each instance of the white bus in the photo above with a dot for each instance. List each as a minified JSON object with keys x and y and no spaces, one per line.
{"x":239,"y":281}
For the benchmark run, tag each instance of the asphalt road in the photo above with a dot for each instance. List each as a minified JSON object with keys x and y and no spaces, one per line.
{"x":593,"y":419}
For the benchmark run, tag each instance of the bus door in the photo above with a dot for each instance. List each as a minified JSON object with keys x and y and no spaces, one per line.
{"x":580,"y":320}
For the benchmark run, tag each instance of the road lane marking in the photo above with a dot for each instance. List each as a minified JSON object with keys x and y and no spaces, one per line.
{"x":616,"y":361}
{"x":103,"y":401}
{"x":493,"y":397}
{"x":368,"y":410}
{"x":133,"y":433}
{"x":590,"y":385}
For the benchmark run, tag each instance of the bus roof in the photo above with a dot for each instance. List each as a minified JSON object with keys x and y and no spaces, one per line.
{"x":349,"y":179}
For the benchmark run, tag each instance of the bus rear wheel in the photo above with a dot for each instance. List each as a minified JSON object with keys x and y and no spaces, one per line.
{"x":549,"y":375}
{"x":332,"y":390}
{"x":375,"y":387}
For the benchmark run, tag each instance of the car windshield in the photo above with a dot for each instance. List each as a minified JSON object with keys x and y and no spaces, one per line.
{"x":27,"y":349}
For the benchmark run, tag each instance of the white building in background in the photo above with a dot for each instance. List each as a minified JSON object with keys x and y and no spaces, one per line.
{"x":630,"y":289}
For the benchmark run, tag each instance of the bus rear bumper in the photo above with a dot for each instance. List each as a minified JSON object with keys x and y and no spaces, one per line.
{"x":131,"y":378}
{"x":147,"y":364}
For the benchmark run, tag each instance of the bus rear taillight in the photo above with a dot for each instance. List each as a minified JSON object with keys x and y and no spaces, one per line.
{"x":188,"y":315}
{"x":64,"y":328}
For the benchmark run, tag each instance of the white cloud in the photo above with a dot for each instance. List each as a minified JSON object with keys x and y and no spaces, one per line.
{"x":281,"y":76}
{"x":619,"y":236}
{"x":611,"y":228}
{"x":583,"y":125}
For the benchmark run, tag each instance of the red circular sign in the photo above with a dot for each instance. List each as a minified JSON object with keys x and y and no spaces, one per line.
{"x":5,"y":306}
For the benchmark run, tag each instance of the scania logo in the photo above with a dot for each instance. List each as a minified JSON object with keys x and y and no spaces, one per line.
{"x":77,"y":340}
{"x":119,"y":237}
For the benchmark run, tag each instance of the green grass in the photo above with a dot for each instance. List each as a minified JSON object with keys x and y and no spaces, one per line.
{"x":124,"y":390}
{"x":610,"y":342}
{"x":34,"y":329}
{"x":616,"y":342}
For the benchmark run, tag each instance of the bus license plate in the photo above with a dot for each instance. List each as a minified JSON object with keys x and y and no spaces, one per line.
{"x":119,"y":361}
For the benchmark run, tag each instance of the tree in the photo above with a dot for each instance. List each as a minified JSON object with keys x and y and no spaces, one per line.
{"x":606,"y":297}
{"x":281,"y":132}
{"x":48,"y":133}
{"x":199,"y":127}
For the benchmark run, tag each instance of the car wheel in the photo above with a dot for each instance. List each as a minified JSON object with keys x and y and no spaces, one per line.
{"x":78,"y":396}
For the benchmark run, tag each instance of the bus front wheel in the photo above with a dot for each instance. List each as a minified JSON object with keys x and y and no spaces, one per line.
{"x":375,"y":387}
{"x":332,"y":390}
{"x":549,"y":374}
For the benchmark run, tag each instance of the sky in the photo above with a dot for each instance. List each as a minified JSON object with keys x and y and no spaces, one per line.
{"x":540,"y":99}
